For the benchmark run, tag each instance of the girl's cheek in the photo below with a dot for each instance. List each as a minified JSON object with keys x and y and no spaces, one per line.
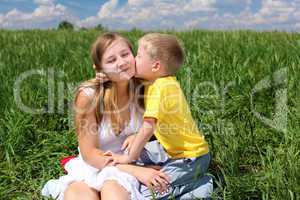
{"x":110,"y":69}
{"x":132,"y":60}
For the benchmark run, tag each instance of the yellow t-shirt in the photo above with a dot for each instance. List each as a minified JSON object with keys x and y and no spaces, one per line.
{"x":176,"y":129}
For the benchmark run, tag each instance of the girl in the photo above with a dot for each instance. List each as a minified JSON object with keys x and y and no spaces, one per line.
{"x":106,"y":116}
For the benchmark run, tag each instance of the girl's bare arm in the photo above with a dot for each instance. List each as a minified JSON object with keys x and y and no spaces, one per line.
{"x":87,"y":132}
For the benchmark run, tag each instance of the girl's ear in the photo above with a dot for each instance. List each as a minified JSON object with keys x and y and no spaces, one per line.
{"x":156,"y":66}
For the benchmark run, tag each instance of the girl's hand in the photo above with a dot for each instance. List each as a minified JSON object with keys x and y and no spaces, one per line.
{"x":101,"y":77}
{"x":118,"y":158}
{"x":128,"y":143}
{"x":155,"y":179}
{"x":108,"y":161}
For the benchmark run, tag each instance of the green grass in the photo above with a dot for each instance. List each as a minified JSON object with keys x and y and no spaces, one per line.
{"x":256,"y":160}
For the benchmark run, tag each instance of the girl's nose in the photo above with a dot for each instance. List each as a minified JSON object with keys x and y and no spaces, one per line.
{"x":121,"y":63}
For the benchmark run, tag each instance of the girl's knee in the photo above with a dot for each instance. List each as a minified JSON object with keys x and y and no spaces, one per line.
{"x":110,"y":183}
{"x":80,"y":190}
{"x":111,"y":189}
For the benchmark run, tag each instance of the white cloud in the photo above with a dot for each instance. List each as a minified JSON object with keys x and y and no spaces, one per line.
{"x":44,"y":2}
{"x":46,"y":11}
{"x":200,"y":5}
{"x":147,"y":14}
{"x":160,"y":14}
{"x":195,"y":23}
{"x":137,"y":2}
{"x":108,"y":8}
{"x":49,"y":11}
{"x":276,"y":10}
{"x":273,"y":14}
{"x":194,"y":13}
{"x":276,"y":14}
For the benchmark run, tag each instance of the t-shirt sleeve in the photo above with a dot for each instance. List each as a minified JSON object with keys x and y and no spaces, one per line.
{"x":153,"y":102}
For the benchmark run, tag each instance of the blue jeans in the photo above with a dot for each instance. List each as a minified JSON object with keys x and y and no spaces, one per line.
{"x":188,"y":178}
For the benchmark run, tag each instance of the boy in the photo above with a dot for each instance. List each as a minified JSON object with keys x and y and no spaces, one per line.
{"x":168,"y":117}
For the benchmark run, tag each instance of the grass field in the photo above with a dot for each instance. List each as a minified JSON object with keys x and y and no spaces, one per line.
{"x":243,"y":88}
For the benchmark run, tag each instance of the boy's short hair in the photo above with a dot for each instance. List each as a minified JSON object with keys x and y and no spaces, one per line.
{"x":166,"y":48}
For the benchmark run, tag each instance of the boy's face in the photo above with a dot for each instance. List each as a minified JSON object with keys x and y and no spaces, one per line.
{"x":143,"y":62}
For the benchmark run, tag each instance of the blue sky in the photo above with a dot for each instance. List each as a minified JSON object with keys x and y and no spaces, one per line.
{"x":151,"y":15}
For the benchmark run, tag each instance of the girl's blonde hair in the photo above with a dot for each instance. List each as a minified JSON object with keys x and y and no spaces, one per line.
{"x":166,"y":48}
{"x":105,"y":96}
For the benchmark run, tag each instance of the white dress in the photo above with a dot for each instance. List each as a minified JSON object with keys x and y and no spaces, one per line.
{"x":78,"y":170}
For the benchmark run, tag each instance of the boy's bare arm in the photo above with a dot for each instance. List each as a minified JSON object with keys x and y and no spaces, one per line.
{"x":142,"y":137}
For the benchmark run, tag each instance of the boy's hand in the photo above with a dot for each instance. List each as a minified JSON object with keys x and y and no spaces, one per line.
{"x":117,"y":158}
{"x":128,"y":143}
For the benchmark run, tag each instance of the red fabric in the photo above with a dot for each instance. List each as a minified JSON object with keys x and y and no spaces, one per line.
{"x":64,"y":161}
